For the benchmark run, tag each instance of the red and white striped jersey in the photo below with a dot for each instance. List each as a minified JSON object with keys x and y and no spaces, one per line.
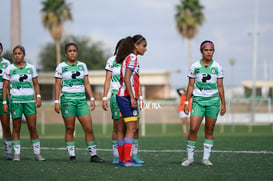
{"x":131,"y":63}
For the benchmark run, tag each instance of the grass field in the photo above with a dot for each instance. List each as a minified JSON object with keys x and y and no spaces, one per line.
{"x":236,"y":155}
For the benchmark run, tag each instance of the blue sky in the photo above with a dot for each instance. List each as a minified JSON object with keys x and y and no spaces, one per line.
{"x":228,"y":24}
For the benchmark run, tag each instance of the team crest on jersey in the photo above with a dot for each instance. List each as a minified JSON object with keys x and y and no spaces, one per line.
{"x":135,"y":112}
{"x":28,"y":71}
{"x":80,"y":67}
{"x":213,"y":70}
{"x":3,"y":65}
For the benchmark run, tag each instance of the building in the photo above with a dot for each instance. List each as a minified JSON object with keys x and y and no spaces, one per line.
{"x":263,"y":88}
{"x":155,"y":84}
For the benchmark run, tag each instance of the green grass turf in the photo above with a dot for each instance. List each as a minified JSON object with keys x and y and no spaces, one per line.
{"x":162,"y":153}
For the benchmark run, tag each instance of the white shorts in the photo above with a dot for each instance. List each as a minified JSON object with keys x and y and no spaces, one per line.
{"x":182,"y":114}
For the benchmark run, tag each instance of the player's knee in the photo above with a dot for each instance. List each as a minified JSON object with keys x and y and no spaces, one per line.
{"x":69,"y":130}
{"x":193,"y":131}
{"x":90,"y":132}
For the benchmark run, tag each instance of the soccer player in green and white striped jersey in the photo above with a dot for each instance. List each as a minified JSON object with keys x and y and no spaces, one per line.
{"x":71,"y":84}
{"x":112,"y":78}
{"x":206,"y":85}
{"x":5,"y":118}
{"x":22,"y":80}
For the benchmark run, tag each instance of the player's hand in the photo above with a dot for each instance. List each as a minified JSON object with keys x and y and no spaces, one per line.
{"x":222,"y":110}
{"x":57,"y":108}
{"x":5,"y":108}
{"x":105,"y":105}
{"x":140,"y":104}
{"x":186,"y":109}
{"x":38,"y":102}
{"x":92,"y":105}
{"x":133,"y":103}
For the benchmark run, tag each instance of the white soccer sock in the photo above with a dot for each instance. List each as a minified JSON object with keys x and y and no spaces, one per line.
{"x":207,"y":151}
{"x":190,"y":151}
{"x":71,"y":150}
{"x":134,"y":149}
{"x":17,"y":149}
{"x":92,"y":150}
{"x":115,"y":150}
{"x":8,"y":146}
{"x":36,"y":148}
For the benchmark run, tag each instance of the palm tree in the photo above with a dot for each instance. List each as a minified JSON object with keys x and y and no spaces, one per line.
{"x":54,"y":14}
{"x":188,"y":17}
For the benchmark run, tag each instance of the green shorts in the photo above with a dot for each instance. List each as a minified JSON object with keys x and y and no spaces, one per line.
{"x":201,"y":111}
{"x":114,"y":107}
{"x":17,"y":109}
{"x":74,"y":107}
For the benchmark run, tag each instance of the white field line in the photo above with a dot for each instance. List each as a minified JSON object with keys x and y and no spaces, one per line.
{"x":165,"y":151}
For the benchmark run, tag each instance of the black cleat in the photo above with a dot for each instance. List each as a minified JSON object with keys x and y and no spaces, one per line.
{"x":96,"y":159}
{"x":72,"y":159}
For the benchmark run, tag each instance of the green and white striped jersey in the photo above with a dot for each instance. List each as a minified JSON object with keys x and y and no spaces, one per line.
{"x":4,"y":63}
{"x":205,"y":88}
{"x":21,"y":86}
{"x":114,"y":67}
{"x":72,"y":79}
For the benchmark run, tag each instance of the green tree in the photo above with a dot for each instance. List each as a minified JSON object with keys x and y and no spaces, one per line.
{"x":8,"y":55}
{"x":91,"y":53}
{"x":54,"y":14}
{"x":188,"y":17}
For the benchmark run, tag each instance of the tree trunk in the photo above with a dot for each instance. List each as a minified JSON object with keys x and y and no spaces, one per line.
{"x":58,"y":51}
{"x":190,"y":51}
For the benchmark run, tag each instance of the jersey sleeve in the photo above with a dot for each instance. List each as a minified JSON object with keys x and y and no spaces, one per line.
{"x":131,"y":62}
{"x":85,"y":71}
{"x":109,"y":64}
{"x":191,"y":73}
{"x":34,"y":73}
{"x":220,"y":72}
{"x":58,"y":72}
{"x":6,"y":75}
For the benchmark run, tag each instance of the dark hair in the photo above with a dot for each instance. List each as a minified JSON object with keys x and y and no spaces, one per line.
{"x":117,"y":46}
{"x":127,"y":46}
{"x":204,"y":42}
{"x":69,"y":44}
{"x":1,"y":45}
{"x":20,"y":47}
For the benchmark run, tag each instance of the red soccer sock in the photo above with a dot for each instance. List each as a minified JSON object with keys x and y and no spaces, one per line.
{"x":127,"y":152}
{"x":121,"y":153}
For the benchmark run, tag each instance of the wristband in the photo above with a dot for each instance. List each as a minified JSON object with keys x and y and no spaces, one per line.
{"x":140,"y":97}
{"x":38,"y":95}
{"x":4,"y":102}
{"x":186,"y":102}
{"x":57,"y":101}
{"x":104,"y":98}
{"x":92,"y":99}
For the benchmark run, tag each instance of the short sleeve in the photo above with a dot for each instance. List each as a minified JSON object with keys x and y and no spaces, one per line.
{"x":220,"y":72}
{"x":6,"y":74}
{"x":34,"y":73}
{"x":191,"y":73}
{"x":58,"y":72}
{"x":85,"y":71}
{"x":109,"y":64}
{"x":131,"y":62}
